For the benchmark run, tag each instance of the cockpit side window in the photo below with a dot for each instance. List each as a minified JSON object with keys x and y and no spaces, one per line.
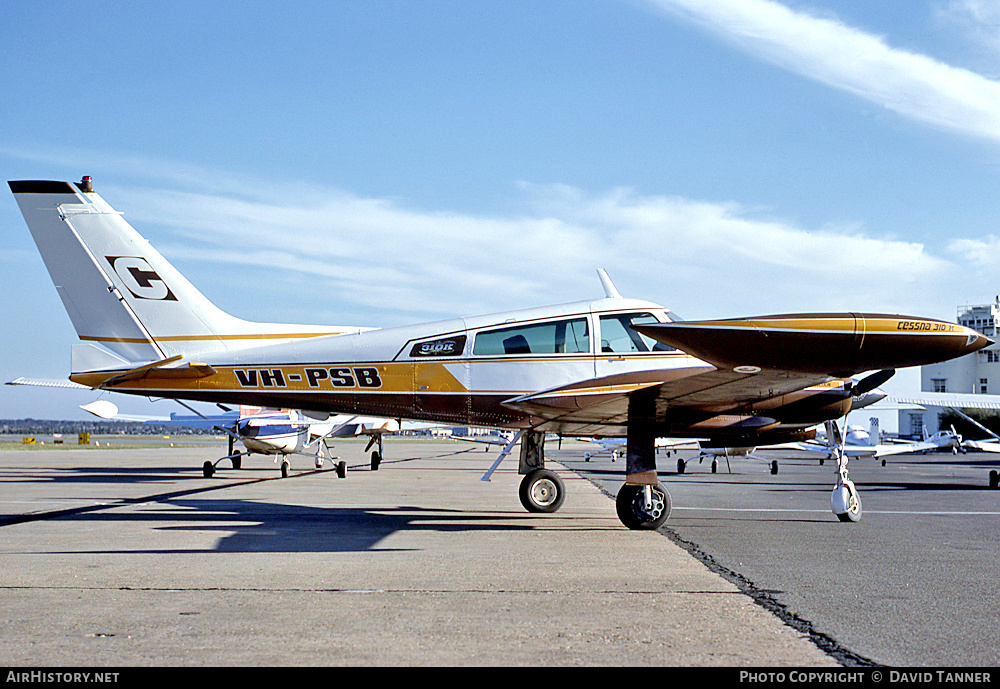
{"x":617,"y":336}
{"x":555,"y":337}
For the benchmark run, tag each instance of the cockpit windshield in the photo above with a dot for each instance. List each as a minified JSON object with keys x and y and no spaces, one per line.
{"x":618,"y":337}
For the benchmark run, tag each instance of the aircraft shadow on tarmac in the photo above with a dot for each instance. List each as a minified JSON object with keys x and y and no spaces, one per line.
{"x":253,"y":527}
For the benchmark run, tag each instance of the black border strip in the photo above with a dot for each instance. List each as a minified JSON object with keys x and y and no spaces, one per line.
{"x":41,"y":187}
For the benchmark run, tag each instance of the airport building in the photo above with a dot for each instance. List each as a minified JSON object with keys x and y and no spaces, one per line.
{"x":977,"y":373}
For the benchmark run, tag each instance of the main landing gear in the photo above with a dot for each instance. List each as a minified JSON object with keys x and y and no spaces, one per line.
{"x":643,"y":507}
{"x":376,"y":454}
{"x":642,"y":502}
{"x":208,"y":468}
{"x":541,"y":490}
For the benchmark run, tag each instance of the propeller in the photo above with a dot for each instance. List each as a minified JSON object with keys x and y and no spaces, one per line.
{"x":869,"y":383}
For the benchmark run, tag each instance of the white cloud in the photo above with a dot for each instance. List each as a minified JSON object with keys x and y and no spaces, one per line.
{"x":289,"y":251}
{"x":913,"y":85}
{"x":375,"y":261}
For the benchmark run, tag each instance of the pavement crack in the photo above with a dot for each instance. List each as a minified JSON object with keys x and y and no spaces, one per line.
{"x":762,"y":597}
{"x":766,"y":600}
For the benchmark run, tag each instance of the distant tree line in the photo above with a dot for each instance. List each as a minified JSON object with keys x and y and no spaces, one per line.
{"x":47,"y":427}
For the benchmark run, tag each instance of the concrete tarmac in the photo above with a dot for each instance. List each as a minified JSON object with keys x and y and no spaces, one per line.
{"x":129,"y":557}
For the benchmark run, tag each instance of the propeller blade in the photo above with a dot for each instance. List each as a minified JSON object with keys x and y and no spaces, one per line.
{"x":871,"y":382}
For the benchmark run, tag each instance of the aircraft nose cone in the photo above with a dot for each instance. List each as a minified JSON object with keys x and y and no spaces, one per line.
{"x":980,"y":341}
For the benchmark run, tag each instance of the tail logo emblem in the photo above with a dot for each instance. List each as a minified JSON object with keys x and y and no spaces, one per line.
{"x":140,"y":278}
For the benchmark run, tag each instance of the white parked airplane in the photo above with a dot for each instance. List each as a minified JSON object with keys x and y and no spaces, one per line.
{"x":277,"y":432}
{"x":608,"y":367}
{"x":956,"y":402}
{"x":616,"y":446}
{"x":859,"y":442}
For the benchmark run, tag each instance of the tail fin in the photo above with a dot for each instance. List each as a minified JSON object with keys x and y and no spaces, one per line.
{"x":874,"y":434}
{"x":120,"y":293}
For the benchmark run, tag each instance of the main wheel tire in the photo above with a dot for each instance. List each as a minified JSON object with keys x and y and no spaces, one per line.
{"x":994,"y":478}
{"x":631,"y":506}
{"x":376,"y":460}
{"x":542,"y":491}
{"x":208,"y":469}
{"x":680,"y":466}
{"x":237,"y":462}
{"x":341,"y":469}
{"x":284,"y":469}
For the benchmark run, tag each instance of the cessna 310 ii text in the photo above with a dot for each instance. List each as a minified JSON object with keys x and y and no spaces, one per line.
{"x":608,"y":367}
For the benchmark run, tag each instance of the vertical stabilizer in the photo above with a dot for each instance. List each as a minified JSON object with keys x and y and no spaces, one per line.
{"x":119,"y":292}
{"x":874,"y":433}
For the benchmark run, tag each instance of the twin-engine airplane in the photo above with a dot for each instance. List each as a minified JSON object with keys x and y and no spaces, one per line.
{"x":610,"y":367}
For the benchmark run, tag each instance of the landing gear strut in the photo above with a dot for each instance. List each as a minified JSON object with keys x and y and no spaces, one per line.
{"x":208,"y":468}
{"x":642,"y":503}
{"x":844,"y":500}
{"x":376,"y":454}
{"x":541,"y":490}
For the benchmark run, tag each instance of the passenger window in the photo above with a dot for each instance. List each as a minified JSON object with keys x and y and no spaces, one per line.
{"x":557,"y":337}
{"x":617,"y":336}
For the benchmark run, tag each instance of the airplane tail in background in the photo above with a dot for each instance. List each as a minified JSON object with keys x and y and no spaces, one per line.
{"x":127,"y":303}
{"x":874,"y":433}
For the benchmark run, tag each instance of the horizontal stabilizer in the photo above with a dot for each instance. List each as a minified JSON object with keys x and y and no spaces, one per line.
{"x":48,"y":383}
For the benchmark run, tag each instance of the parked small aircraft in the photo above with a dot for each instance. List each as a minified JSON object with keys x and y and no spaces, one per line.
{"x":859,"y":442}
{"x":956,"y":402}
{"x":616,"y":446}
{"x":608,"y":367}
{"x":277,"y":432}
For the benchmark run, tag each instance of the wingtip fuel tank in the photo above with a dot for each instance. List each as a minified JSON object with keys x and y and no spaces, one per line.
{"x":837,"y":344}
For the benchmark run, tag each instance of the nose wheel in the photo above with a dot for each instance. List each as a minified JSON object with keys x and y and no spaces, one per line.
{"x":844,"y":500}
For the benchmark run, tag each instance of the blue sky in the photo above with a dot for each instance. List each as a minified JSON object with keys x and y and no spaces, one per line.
{"x":388,"y":162}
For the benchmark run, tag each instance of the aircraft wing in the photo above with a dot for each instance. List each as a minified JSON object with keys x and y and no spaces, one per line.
{"x":953,"y":400}
{"x":748,"y":361}
{"x":482,"y":439}
{"x":854,"y":450}
{"x":108,"y":410}
{"x":599,"y":406}
{"x":889,"y":449}
{"x":982,"y":445}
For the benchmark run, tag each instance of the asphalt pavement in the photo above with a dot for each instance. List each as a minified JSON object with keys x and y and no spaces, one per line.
{"x":913,"y":583}
{"x":131,"y":558}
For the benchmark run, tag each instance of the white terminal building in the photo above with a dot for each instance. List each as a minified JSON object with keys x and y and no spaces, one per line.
{"x":977,"y":373}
